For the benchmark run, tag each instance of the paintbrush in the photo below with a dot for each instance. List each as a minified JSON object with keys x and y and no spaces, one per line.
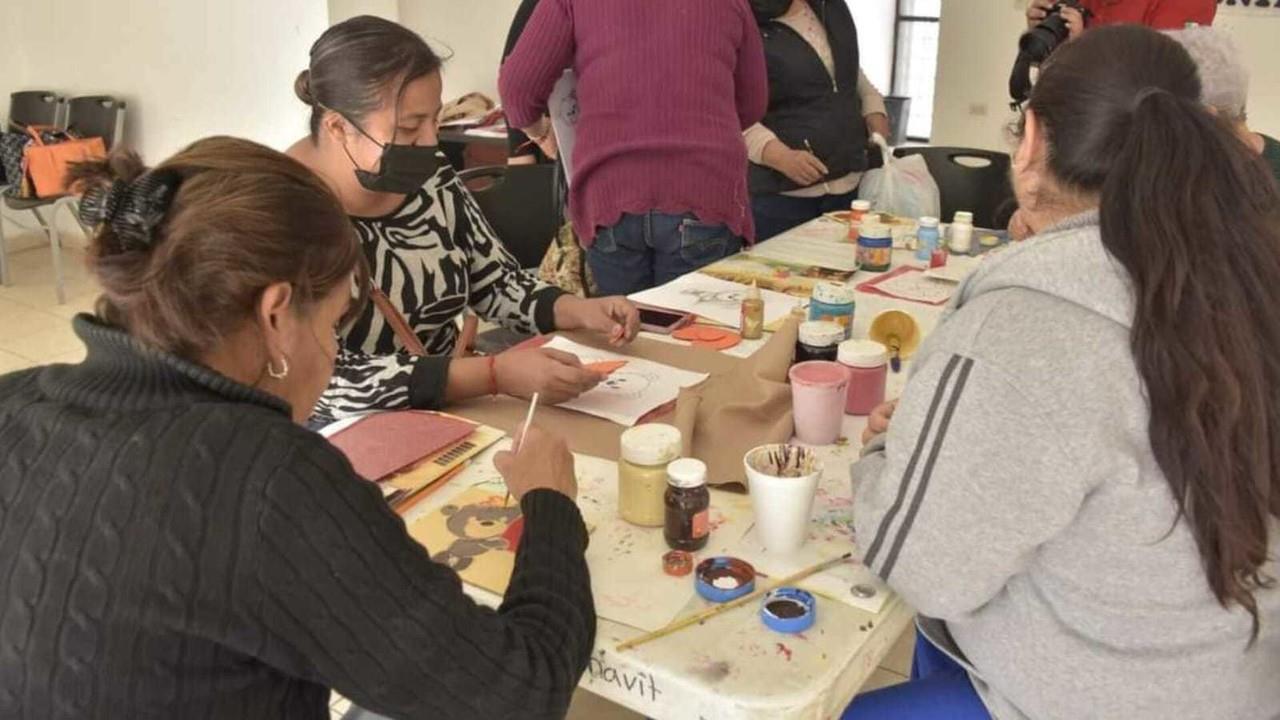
{"x":826,"y":185}
{"x":785,"y":461}
{"x":528,"y":420}
{"x":709,"y":613}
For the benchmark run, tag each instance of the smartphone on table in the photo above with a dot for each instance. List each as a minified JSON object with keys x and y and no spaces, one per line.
{"x":663,"y":321}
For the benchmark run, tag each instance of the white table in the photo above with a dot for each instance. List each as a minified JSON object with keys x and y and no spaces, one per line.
{"x":732,"y":667}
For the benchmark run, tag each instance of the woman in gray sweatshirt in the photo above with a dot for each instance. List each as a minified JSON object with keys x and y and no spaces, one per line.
{"x":1080,"y":489}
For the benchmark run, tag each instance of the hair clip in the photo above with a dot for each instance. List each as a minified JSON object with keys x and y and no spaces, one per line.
{"x":133,"y":209}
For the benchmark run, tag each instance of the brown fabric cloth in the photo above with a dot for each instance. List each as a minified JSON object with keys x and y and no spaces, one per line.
{"x":743,"y":404}
{"x":735,"y":411}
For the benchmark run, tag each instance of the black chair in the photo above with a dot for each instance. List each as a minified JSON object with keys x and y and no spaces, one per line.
{"x":35,"y":107}
{"x":970,"y":179}
{"x":523,"y":203}
{"x":26,"y":108}
{"x":525,"y":206}
{"x":90,"y":116}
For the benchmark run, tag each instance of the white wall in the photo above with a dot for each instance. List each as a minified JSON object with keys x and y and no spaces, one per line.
{"x":186,"y":69}
{"x":340,"y":10}
{"x":976,"y":48}
{"x":875,"y":39}
{"x":974,"y":59}
{"x":1257,"y":33}
{"x":474,"y":31}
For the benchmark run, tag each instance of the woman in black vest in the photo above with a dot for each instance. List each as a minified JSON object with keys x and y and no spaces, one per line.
{"x":809,"y":152}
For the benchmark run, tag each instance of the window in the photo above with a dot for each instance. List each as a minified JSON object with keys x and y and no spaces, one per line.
{"x":915,"y":61}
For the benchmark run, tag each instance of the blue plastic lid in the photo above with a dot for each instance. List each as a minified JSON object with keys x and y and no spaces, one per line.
{"x":721,"y":579}
{"x":789,"y":610}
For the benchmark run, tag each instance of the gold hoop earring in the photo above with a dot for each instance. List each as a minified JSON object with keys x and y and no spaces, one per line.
{"x":284,"y":369}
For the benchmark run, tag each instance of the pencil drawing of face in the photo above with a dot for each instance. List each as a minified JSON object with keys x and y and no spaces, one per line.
{"x":627,"y":384}
{"x":723,"y":298}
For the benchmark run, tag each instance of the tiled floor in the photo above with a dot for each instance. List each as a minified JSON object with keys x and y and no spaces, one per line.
{"x":35,"y":330}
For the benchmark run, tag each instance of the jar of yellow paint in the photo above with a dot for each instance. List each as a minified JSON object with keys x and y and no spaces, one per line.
{"x":642,"y":472}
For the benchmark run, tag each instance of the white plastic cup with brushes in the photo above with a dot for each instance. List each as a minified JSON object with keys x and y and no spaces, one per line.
{"x":783,"y":480}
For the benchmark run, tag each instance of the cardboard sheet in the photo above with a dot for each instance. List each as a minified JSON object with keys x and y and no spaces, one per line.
{"x":383,"y":443}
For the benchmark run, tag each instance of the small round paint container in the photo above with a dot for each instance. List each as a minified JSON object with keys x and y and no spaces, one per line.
{"x":721,"y":579}
{"x":677,"y":563}
{"x":789,"y":610}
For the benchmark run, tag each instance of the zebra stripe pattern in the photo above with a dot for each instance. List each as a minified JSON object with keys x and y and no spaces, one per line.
{"x":434,"y":257}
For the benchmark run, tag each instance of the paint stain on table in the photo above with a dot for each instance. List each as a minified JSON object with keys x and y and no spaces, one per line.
{"x":784,"y":651}
{"x":712,"y":672}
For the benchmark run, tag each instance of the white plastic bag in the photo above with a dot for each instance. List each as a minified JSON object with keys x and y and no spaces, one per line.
{"x":903,"y":187}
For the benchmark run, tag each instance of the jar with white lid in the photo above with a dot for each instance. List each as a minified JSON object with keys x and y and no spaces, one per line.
{"x":868,"y":364}
{"x":818,"y":340}
{"x":833,"y":302}
{"x":875,"y":247}
{"x":642,"y":472}
{"x":688,"y":505}
{"x":858,"y":211}
{"x":961,"y":233}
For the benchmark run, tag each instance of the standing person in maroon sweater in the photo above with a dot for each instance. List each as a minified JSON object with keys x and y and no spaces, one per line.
{"x":665,"y":89}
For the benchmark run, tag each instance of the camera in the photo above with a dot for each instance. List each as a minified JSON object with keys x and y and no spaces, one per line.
{"x":1037,"y":44}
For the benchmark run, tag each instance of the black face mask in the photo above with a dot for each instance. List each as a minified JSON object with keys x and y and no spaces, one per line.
{"x":766,"y":10}
{"x":403,"y":169}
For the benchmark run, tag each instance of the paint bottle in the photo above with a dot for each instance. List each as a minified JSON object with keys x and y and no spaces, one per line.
{"x":688,"y":503}
{"x":875,"y":247}
{"x":858,"y":211}
{"x":961,"y":232}
{"x":868,"y":365}
{"x":818,"y":340}
{"x":927,"y":241}
{"x":642,"y":472}
{"x":752,"y":326}
{"x":833,"y":302}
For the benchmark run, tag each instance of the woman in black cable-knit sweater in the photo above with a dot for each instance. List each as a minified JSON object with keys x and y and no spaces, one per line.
{"x":174,"y":545}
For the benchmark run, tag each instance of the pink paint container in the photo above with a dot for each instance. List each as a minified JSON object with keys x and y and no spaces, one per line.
{"x":868,"y":364}
{"x":819,"y":392}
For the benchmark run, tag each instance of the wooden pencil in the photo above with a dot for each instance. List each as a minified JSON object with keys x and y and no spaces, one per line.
{"x":709,"y":613}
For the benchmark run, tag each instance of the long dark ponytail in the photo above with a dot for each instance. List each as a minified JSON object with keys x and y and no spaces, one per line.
{"x":1192,"y":215}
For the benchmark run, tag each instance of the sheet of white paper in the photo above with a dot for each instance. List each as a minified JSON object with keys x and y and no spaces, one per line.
{"x":715,"y":299}
{"x":563,"y":109}
{"x":630,"y":392}
{"x":627,"y":579}
{"x":918,"y":287}
{"x":830,"y":536}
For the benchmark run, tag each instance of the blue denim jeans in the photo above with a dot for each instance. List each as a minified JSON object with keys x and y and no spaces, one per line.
{"x":939,"y":689}
{"x":776,"y":214}
{"x":643,"y":251}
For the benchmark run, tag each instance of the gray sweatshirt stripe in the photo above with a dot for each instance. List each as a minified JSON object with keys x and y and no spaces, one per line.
{"x":892,"y":558}
{"x":892,"y":513}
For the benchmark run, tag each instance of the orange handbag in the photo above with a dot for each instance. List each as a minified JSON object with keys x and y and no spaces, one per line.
{"x":47,"y":163}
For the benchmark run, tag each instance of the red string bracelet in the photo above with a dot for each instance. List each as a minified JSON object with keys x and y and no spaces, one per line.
{"x":493,"y":376}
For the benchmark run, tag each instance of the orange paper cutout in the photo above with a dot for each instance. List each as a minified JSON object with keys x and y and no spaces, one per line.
{"x":711,"y":338}
{"x":606,"y":367}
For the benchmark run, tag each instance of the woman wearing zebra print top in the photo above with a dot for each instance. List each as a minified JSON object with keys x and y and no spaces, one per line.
{"x":374,"y":88}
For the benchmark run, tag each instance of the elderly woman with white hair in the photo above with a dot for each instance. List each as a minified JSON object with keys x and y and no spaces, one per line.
{"x":1225,"y":82}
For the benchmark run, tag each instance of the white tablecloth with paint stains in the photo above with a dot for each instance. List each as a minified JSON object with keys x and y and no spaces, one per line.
{"x":732,"y":667}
